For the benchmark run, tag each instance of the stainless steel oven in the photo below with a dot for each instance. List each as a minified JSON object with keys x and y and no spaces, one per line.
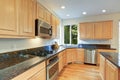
{"x":52,"y":67}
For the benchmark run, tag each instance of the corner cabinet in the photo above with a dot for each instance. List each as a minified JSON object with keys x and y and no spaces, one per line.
{"x":96,"y":30}
{"x":75,"y":55}
{"x":36,"y":73}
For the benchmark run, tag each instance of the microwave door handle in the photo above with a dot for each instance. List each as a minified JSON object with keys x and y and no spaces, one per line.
{"x":50,"y":31}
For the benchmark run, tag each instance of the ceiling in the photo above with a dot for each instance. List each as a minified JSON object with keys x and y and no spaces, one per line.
{"x":75,"y":7}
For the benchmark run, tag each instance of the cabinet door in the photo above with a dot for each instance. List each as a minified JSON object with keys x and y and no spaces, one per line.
{"x":98,"y":30}
{"x":102,"y":67}
{"x":71,"y":55}
{"x":86,"y":30}
{"x":41,"y":75}
{"x":54,"y":27}
{"x":40,"y":11}
{"x":60,"y":61}
{"x":26,"y":17}
{"x":111,"y":71}
{"x":82,"y":30}
{"x":107,"y":29}
{"x":90,"y":30}
{"x":48,"y":17}
{"x":8,"y":17}
{"x":80,"y":55}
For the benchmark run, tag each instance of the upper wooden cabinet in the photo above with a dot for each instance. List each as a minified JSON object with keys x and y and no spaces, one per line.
{"x":40,"y":11}
{"x":55,"y":23}
{"x":27,"y":9}
{"x":96,"y":30}
{"x":8,"y":18}
{"x":17,"y":18}
{"x":107,"y":29}
{"x":43,"y":13}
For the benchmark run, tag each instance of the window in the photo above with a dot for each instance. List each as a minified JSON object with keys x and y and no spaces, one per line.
{"x":70,"y":34}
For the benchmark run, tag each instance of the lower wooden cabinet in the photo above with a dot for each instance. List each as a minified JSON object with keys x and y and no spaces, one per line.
{"x":111,"y":71}
{"x":36,"y":73}
{"x":107,"y":70}
{"x":62,"y":60}
{"x":80,"y":55}
{"x":75,"y":55}
{"x":39,"y":75}
{"x":102,"y":67}
{"x":102,"y":50}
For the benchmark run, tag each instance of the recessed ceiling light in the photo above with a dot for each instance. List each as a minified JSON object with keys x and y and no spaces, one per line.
{"x":67,"y":15}
{"x":103,"y":10}
{"x":84,"y":13}
{"x":63,"y":7}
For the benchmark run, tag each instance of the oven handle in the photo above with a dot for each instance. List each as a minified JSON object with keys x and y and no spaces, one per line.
{"x":51,"y":65}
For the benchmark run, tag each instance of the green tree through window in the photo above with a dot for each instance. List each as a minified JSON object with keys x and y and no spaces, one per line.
{"x":70,"y":34}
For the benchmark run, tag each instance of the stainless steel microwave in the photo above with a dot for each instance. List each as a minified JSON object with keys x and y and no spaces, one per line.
{"x":43,"y":29}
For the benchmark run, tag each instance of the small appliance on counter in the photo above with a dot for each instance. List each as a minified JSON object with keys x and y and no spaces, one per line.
{"x":55,"y":46}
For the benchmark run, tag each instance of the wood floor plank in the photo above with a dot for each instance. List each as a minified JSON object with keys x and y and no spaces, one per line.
{"x":79,"y":72}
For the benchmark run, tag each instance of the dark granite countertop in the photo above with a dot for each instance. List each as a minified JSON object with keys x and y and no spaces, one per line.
{"x":15,"y":67}
{"x":12,"y":67}
{"x":112,"y":57}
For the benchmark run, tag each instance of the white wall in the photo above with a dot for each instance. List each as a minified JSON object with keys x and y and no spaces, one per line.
{"x":7,"y":45}
{"x":115,"y":17}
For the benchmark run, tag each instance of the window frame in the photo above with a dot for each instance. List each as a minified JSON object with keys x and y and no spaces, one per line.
{"x":71,"y":34}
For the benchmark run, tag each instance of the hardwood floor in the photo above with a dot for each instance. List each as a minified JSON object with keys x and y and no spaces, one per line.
{"x":79,"y":72}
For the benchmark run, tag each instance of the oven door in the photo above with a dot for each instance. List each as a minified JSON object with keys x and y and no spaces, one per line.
{"x":52,"y":70}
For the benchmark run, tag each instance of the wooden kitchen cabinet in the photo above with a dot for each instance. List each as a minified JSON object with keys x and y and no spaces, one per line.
{"x":71,"y":55}
{"x":36,"y":73}
{"x":80,"y":56}
{"x":17,"y":18}
{"x":55,"y":24}
{"x":62,"y":60}
{"x":103,"y":50}
{"x":102,"y":67}
{"x":75,"y":55}
{"x":8,"y":18}
{"x":89,"y":31}
{"x":111,"y":71}
{"x":96,"y":30}
{"x":41,"y":75}
{"x":107,"y":29}
{"x":48,"y":17}
{"x":27,"y":9}
{"x":86,"y":30}
{"x":40,"y":12}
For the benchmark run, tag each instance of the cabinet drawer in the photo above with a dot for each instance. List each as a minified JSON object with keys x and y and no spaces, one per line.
{"x":27,"y":74}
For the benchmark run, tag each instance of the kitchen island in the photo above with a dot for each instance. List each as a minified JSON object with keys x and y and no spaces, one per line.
{"x":110,"y":66}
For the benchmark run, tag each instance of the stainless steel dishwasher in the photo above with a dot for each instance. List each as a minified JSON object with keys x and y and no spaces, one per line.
{"x":90,"y":56}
